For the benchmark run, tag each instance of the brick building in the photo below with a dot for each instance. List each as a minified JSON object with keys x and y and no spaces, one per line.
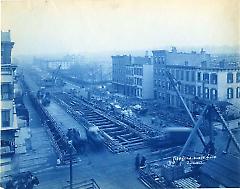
{"x":133,"y":76}
{"x":8,"y":111}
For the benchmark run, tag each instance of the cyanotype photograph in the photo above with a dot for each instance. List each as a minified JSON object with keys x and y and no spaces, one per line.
{"x":120,"y":94}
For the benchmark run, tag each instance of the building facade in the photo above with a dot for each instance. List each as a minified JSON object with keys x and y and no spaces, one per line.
{"x":53,"y":64}
{"x":133,"y":76}
{"x":8,"y":111}
{"x":214,"y":84}
{"x":196,"y":79}
{"x":119,"y":73}
{"x":162,"y":58}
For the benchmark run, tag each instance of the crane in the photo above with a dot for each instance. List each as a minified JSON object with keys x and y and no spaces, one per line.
{"x":51,"y":82}
{"x":43,"y":93}
{"x":55,"y":74}
{"x":209,"y":109}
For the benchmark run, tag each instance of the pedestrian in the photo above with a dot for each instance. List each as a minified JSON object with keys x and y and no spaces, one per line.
{"x":9,"y":185}
{"x":27,"y":118}
{"x":137,"y":161}
{"x":143,"y":162}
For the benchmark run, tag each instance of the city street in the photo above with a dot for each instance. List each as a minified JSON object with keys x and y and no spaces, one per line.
{"x":39,"y":152}
{"x":120,"y":94}
{"x":109,"y":170}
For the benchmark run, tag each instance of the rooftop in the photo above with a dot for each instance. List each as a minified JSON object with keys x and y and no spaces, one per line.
{"x":204,"y":68}
{"x":5,"y":36}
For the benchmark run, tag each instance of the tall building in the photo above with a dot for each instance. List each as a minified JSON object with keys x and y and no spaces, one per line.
{"x":162,"y":58}
{"x":8,"y":111}
{"x":133,"y":76}
{"x":197,"y":78}
{"x":119,"y":72}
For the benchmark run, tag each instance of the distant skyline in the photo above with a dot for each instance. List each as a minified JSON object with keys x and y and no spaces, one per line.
{"x":95,"y":26}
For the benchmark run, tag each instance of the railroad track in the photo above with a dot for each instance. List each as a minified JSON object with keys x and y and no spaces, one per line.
{"x":118,"y":136}
{"x":58,"y":139}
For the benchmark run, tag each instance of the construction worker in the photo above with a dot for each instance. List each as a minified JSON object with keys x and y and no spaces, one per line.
{"x":137,"y":161}
{"x":143,"y":162}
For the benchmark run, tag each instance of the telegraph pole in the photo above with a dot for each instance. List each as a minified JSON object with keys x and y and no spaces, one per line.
{"x":70,"y":148}
{"x":69,"y":135}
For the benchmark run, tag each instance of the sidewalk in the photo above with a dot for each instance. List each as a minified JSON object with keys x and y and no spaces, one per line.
{"x":8,"y":164}
{"x":33,"y":148}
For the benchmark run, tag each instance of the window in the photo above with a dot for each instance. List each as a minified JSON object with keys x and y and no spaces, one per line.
{"x":6,"y":71}
{"x":5,"y":118}
{"x":206,"y":92}
{"x":230,"y":93}
{"x":214,"y":94}
{"x":141,"y":93}
{"x":155,"y":83}
{"x":2,"y":52}
{"x":213,"y":78}
{"x":199,"y":91}
{"x":179,"y":87}
{"x":168,"y":98}
{"x":199,"y":77}
{"x":238,"y":77}
{"x":173,"y":73}
{"x":193,"y":76}
{"x":135,"y":71}
{"x":187,"y":75}
{"x":155,"y":95}
{"x":168,"y":86}
{"x":206,"y":77}
{"x":186,"y":89}
{"x":6,"y":91}
{"x":194,"y":90}
{"x":238,"y":92}
{"x":229,"y":78}
{"x":163,"y":60}
{"x":182,"y":89}
{"x":182,"y":74}
{"x":177,"y":75}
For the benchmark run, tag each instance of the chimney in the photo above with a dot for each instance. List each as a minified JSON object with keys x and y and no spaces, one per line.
{"x":146,"y":54}
{"x":174,"y":49}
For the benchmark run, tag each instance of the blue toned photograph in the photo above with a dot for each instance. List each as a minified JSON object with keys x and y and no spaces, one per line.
{"x":120,"y":94}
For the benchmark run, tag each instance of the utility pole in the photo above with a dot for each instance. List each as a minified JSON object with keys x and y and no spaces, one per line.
{"x":69,"y":135}
{"x":70,"y":150}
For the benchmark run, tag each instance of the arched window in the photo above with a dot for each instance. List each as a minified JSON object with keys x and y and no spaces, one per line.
{"x":206,"y":93}
{"x":214,"y":94}
{"x":230,"y":93}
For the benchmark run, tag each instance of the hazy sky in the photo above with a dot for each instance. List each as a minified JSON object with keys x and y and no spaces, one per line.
{"x":71,"y":26}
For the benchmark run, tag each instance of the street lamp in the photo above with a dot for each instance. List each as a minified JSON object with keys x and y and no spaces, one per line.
{"x":70,"y":150}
